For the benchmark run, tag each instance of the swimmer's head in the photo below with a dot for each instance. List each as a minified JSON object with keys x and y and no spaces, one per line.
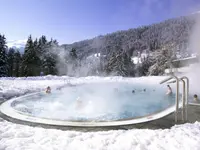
{"x":48,"y":90}
{"x":195,"y":96}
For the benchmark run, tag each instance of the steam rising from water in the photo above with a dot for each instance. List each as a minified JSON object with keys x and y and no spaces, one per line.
{"x":194,"y":46}
{"x":100,"y":101}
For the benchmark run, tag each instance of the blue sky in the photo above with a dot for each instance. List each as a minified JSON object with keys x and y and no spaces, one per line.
{"x":74,"y":20}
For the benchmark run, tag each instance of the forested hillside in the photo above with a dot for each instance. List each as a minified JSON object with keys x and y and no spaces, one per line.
{"x":111,"y":54}
{"x":152,"y":37}
{"x":162,"y":41}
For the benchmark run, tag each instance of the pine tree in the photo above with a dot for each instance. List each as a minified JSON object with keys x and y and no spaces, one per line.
{"x":73,"y":54}
{"x":72,"y":62}
{"x":47,"y":54}
{"x":127,"y":65}
{"x":11,"y":53}
{"x":120,"y":64}
{"x":16,"y":64}
{"x":3,"y":57}
{"x":30,"y":59}
{"x":161,"y":62}
{"x":50,"y":58}
{"x":143,"y":68}
{"x":42,"y":45}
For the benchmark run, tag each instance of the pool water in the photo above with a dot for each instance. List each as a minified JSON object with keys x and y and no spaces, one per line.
{"x":97,"y":102}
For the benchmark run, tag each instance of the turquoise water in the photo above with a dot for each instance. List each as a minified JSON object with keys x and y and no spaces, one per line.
{"x":98,"y":102}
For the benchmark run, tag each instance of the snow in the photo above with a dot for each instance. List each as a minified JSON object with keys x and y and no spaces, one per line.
{"x":22,"y":137}
{"x":136,"y":60}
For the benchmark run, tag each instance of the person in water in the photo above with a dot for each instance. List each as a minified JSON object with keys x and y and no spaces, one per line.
{"x":169,"y":91}
{"x":48,"y":90}
{"x":116,"y":89}
{"x":196,"y":99}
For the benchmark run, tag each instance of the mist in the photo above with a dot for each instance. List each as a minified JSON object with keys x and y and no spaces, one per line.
{"x":80,"y":66}
{"x":101,"y":100}
{"x":194,"y":47}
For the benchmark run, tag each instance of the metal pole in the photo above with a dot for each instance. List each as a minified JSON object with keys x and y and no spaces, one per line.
{"x":177,"y":99}
{"x":187,"y":97}
{"x":183,"y":101}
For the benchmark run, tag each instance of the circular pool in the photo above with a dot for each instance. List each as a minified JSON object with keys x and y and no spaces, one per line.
{"x":91,"y":103}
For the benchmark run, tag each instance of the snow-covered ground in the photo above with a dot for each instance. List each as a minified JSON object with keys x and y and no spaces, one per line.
{"x":21,"y":137}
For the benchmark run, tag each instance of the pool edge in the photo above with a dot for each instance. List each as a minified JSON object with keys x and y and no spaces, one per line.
{"x":8,"y":111}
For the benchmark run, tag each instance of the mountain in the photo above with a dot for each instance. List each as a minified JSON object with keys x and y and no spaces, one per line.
{"x":173,"y":33}
{"x":17,"y":44}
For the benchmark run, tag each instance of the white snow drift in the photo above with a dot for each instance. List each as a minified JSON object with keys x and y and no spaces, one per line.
{"x":20,"y":137}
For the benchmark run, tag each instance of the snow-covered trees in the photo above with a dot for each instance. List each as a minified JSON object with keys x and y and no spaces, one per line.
{"x":39,"y":56}
{"x":120,"y":64}
{"x":16,"y":64}
{"x":30,"y":59}
{"x":11,"y":53}
{"x":3,"y":57}
{"x":50,"y":58}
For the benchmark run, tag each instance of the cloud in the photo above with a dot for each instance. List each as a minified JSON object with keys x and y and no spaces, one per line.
{"x":16,"y":43}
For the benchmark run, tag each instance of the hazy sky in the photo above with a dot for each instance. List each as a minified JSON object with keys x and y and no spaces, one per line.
{"x":73,"y":20}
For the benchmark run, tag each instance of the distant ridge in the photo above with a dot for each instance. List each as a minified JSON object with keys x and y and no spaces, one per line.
{"x":17,"y":44}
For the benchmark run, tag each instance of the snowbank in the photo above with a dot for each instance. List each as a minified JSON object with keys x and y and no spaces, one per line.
{"x":20,"y":137}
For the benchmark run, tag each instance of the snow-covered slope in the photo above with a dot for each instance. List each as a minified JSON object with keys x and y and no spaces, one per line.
{"x":20,"y":137}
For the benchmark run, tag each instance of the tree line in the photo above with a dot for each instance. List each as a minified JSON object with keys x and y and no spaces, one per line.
{"x":40,"y":57}
{"x":43,"y":57}
{"x":37,"y":58}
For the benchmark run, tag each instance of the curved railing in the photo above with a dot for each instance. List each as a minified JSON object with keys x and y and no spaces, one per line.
{"x":185,"y":94}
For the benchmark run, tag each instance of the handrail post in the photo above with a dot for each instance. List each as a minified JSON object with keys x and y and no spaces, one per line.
{"x":183,"y":101}
{"x":187,"y":97}
{"x":177,"y":99}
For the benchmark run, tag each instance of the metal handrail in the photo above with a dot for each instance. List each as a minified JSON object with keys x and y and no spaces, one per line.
{"x":185,"y":94}
{"x":183,"y":100}
{"x":177,"y":93}
{"x":186,"y":97}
